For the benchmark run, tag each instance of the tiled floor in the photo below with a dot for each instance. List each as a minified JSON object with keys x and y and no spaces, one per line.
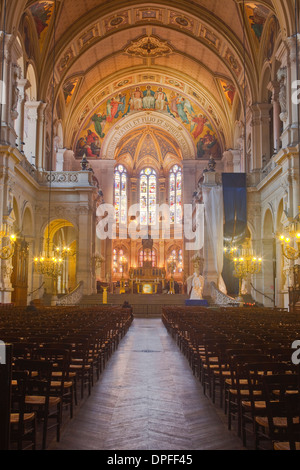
{"x":147,"y":399}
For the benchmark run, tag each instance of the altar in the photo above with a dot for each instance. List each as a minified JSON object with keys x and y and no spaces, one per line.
{"x":147,"y":288}
{"x":147,"y":280}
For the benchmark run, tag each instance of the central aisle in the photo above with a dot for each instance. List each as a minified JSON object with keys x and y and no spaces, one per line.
{"x":147,"y":399}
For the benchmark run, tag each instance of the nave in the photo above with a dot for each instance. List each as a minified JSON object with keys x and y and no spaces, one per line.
{"x":147,"y":399}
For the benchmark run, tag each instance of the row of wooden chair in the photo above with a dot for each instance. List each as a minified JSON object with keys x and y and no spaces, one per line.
{"x":237,"y":353}
{"x":49,"y":364}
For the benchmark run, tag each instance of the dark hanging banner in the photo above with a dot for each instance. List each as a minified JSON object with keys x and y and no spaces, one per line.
{"x":235,"y":206}
{"x":235,"y":225}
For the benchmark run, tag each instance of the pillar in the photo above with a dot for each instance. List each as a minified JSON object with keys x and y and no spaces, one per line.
{"x":32,"y":144}
{"x":260,"y":134}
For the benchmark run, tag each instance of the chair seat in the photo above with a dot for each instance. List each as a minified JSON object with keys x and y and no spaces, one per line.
{"x":285,"y":446}
{"x":258,"y":405}
{"x":15,"y":417}
{"x":79,"y":366}
{"x":245,"y":392}
{"x":241,"y":382}
{"x":59,"y":374}
{"x":222,"y":372}
{"x":278,"y":422}
{"x":40,"y":400}
{"x":57,"y":384}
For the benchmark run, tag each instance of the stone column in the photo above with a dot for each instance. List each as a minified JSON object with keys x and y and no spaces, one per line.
{"x":228,"y":161}
{"x":105,"y":176}
{"x":86,"y":238}
{"x":60,"y":159}
{"x":31,"y":149}
{"x":40,"y":141}
{"x":291,"y":79}
{"x":68,"y":160}
{"x":260,"y":134}
{"x":10,"y":91}
{"x":19,"y":125}
{"x":189,"y":173}
{"x":276,"y":116}
{"x":210,"y":273}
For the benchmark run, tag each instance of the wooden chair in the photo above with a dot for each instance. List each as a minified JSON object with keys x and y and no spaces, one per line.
{"x":273,"y":427}
{"x":80,"y":362}
{"x":238,"y":385}
{"x":5,"y":402}
{"x":22,"y":424}
{"x":256,"y":404}
{"x":38,"y":394}
{"x":292,"y":405}
{"x":62,"y":384}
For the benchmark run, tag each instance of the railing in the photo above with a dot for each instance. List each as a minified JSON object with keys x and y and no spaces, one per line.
{"x":268,"y":168}
{"x":59,"y":179}
{"x":65,"y":178}
{"x":73,"y":298}
{"x":261,"y":293}
{"x":219,"y":298}
{"x":36,"y":290}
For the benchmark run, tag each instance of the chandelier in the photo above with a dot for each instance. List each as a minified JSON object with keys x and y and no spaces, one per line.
{"x":245,"y":265}
{"x":231,"y":251}
{"x":7,"y":242}
{"x":290,"y":241}
{"x":49,"y":263}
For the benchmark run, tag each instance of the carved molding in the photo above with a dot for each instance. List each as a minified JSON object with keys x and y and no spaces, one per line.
{"x":149,"y":46}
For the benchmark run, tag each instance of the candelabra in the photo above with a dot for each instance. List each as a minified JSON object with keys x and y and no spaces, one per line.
{"x":48,"y":264}
{"x":231,"y":251}
{"x":7,"y":242}
{"x":247,"y":264}
{"x":291,"y":242}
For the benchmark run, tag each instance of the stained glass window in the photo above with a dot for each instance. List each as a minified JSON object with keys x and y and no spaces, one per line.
{"x":121,"y":194}
{"x":147,"y":255}
{"x":177,"y":255}
{"x":176,"y":195}
{"x":118,"y":261}
{"x":148,"y":197}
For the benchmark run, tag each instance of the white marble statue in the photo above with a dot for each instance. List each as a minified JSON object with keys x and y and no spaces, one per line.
{"x":196,"y":286}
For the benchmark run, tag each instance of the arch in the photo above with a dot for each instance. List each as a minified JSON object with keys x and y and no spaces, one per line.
{"x":31,"y":77}
{"x":16,"y":213}
{"x":27,"y":223}
{"x":268,"y":225}
{"x":156,"y":120}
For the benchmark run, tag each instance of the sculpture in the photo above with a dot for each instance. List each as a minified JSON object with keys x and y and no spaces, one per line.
{"x":196,"y":286}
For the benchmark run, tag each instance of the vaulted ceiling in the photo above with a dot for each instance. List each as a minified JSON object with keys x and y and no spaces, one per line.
{"x":203,"y":48}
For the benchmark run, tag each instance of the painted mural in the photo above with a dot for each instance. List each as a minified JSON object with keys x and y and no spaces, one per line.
{"x":42,"y":13}
{"x":155,"y":98}
{"x":69,"y":89}
{"x":257,"y":16}
{"x":229,"y":91}
{"x":271,"y":35}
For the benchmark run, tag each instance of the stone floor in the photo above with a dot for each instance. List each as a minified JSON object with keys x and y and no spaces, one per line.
{"x":147,"y":399}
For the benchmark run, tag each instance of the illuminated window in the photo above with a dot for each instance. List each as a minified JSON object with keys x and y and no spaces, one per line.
{"x":177,"y":256}
{"x":176,"y":195}
{"x":147,"y":256}
{"x":119,"y":261}
{"x":148,"y":191}
{"x":121,"y":194}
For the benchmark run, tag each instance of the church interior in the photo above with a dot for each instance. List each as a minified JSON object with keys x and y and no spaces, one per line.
{"x":150,"y":195}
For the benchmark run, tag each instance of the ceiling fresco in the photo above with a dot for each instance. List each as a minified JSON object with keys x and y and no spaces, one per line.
{"x":151,"y":98}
